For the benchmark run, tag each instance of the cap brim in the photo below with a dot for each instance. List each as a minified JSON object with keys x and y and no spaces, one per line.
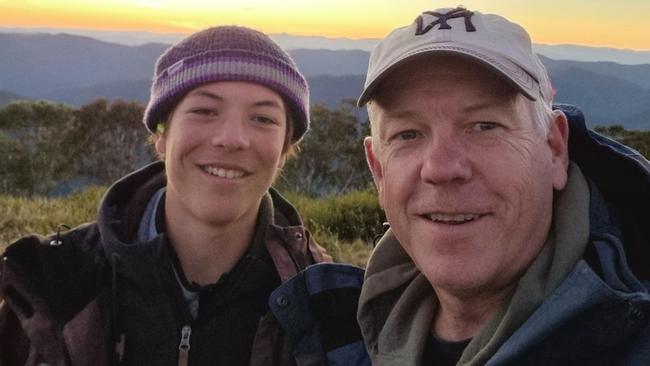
{"x":519,"y":78}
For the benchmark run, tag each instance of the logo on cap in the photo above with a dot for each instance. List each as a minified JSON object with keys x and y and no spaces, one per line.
{"x":442,"y":20}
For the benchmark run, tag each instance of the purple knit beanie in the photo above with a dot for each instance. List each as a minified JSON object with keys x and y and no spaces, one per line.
{"x":227,"y":53}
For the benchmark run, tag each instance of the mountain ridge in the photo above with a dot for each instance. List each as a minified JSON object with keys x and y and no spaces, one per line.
{"x":291,"y":42}
{"x":76,"y":69}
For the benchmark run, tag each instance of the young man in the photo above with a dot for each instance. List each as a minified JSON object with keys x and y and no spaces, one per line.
{"x":180,"y":264}
{"x":508,"y":240}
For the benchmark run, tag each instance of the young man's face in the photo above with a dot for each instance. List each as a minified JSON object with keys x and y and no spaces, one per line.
{"x":465,"y":177}
{"x":222,"y":150}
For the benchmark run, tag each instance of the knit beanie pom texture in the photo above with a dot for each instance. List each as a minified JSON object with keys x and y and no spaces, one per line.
{"x":227,"y":53}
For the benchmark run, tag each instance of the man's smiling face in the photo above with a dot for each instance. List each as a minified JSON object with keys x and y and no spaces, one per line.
{"x":465,"y":176}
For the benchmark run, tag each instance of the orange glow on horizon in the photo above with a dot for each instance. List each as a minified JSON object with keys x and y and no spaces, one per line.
{"x":580,"y":22}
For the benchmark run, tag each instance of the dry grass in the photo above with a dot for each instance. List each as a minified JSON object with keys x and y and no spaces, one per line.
{"x":355,"y":252}
{"x":39,"y":215}
{"x":20,"y":216}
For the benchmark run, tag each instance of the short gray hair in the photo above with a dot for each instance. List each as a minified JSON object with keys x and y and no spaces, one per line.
{"x":543,"y":114}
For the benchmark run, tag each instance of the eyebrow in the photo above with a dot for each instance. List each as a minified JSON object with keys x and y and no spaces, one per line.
{"x":205,"y":93}
{"x":479,"y":106}
{"x":268,"y":103}
{"x":401,"y":115}
{"x":217,"y":97}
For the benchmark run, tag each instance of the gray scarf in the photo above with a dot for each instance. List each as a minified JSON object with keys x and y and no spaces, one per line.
{"x":397,"y":302}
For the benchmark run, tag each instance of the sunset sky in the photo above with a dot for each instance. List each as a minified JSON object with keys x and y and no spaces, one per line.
{"x":620,"y":24}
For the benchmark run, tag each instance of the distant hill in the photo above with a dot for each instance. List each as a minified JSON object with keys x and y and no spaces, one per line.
{"x":329,"y":89}
{"x":609,"y":93}
{"x":36,"y":65}
{"x":120,"y":89}
{"x":636,"y":74}
{"x":326,"y":89}
{"x":592,"y":54}
{"x":76,"y":70}
{"x":293,"y":42}
{"x":7,"y":97}
{"x":328,"y":62}
{"x":604,"y":99}
{"x":42,"y":65}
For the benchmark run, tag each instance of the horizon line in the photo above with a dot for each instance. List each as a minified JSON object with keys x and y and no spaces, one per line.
{"x":16,"y":29}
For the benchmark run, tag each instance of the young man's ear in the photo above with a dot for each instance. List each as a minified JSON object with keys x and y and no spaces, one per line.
{"x":375,"y":167}
{"x":160,"y":143}
{"x":283,"y":160}
{"x":558,"y":141}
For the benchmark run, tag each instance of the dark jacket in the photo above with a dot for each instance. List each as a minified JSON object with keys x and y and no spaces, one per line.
{"x":600,"y":313}
{"x":317,"y":309}
{"x":96,"y":295}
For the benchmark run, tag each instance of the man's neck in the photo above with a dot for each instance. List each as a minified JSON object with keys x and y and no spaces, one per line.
{"x":459,"y":317}
{"x":206,"y":251}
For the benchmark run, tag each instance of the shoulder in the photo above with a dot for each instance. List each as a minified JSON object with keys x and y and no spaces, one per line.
{"x":317,"y":309}
{"x":289,"y":243}
{"x":57,"y":252}
{"x":62,"y":269}
{"x":45,"y":282}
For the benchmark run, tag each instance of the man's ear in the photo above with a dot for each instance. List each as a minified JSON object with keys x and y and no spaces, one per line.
{"x":374,"y":165}
{"x":558,"y":141}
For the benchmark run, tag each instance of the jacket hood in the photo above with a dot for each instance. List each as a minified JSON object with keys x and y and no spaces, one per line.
{"x":622,"y":175}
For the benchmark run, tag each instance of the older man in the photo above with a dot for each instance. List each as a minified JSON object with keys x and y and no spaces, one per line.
{"x":508,"y":240}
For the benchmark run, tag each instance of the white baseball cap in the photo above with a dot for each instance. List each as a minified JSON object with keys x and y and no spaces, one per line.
{"x":494,"y":41}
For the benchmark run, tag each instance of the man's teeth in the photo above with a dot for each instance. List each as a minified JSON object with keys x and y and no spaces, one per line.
{"x":223,"y":173}
{"x":453,"y":219}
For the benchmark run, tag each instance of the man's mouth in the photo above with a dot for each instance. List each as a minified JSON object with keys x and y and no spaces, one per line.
{"x":222,"y":172}
{"x":452,"y":219}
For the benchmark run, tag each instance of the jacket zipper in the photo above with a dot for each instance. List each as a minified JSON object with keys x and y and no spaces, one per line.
{"x":184,"y":346}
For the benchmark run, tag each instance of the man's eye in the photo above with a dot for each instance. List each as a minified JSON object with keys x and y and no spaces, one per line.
{"x":484,"y":126}
{"x":407,"y":135}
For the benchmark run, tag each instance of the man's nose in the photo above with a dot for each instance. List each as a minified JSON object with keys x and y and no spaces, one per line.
{"x":446,"y":161}
{"x":232,"y":134}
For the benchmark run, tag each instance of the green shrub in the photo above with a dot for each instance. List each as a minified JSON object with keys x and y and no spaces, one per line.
{"x":355,"y":252}
{"x":354,"y":215}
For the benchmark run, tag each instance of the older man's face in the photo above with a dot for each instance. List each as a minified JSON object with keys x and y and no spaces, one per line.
{"x":465,"y":177}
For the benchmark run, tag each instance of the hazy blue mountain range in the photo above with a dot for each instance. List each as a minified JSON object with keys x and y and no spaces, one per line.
{"x":291,"y":42}
{"x":76,"y":70}
{"x":608,"y":93}
{"x":120,"y":37}
{"x":584,"y":53}
{"x":326,"y":89}
{"x":35,"y":65}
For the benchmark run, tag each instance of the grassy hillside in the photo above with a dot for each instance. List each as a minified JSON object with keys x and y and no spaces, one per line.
{"x":333,"y":221}
{"x":21,"y":216}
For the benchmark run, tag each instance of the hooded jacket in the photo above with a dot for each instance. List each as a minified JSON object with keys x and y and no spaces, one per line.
{"x":101,"y":295}
{"x":583,"y":301}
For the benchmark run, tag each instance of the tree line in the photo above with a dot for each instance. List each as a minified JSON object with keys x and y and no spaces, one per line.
{"x":638,"y":140}
{"x":52,"y":149}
